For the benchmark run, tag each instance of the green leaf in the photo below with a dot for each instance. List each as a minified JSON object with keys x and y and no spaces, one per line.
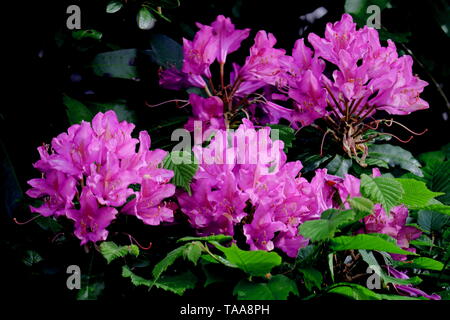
{"x":395,"y":156}
{"x":31,"y":258}
{"x":91,"y":288}
{"x":432,"y":157}
{"x":437,"y":207}
{"x":184,"y":167}
{"x":339,"y":166}
{"x":277,"y":288}
{"x":353,"y":291}
{"x":135,"y":279}
{"x":49,"y":224}
{"x":116,"y":64}
{"x":386,"y":191}
{"x":255,"y":263}
{"x":166,"y":52}
{"x":367,"y":242}
{"x":312,"y":277}
{"x":76,"y":111}
{"x":422,"y":263}
{"x":399,"y":37}
{"x":377,"y":163}
{"x":437,"y":177}
{"x":87,"y":34}
{"x":171,"y":257}
{"x":112,"y":251}
{"x":114,"y":6}
{"x":432,"y":221}
{"x":312,"y":161}
{"x":177,"y":284}
{"x":193,"y":251}
{"x":362,"y":206}
{"x":218,"y":238}
{"x":285,"y":134}
{"x":119,"y":107}
{"x":416,"y":193}
{"x":322,"y":229}
{"x":145,"y":19}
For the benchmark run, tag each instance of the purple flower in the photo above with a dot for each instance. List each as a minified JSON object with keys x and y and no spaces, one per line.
{"x":264,"y":62}
{"x":58,"y":190}
{"x":199,"y":54}
{"x":91,"y":220}
{"x":147,"y":204}
{"x":207,"y":110}
{"x":229,"y":39}
{"x":99,"y":161}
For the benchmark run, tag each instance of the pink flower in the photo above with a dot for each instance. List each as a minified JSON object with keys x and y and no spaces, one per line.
{"x":262,"y":229}
{"x":264,"y":62}
{"x":199,"y":54}
{"x":228,"y":37}
{"x":393,"y":225}
{"x":100,"y":161}
{"x":207,"y":110}
{"x":91,"y":220}
{"x":147,"y":204}
{"x":58,"y":190}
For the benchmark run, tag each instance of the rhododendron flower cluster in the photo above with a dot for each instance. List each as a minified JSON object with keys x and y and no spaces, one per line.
{"x":241,"y":188}
{"x":272,"y":85}
{"x":87,"y":174}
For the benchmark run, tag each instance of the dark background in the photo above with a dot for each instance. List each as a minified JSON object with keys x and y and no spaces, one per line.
{"x":38,"y":72}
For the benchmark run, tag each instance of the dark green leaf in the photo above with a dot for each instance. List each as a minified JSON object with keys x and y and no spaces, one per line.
{"x":283,"y":133}
{"x":277,"y":288}
{"x":166,"y":52}
{"x":395,"y":156}
{"x":116,"y":64}
{"x":76,"y":111}
{"x":339,"y":166}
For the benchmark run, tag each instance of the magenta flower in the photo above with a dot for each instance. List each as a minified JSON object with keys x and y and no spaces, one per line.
{"x":229,"y":38}
{"x":207,"y":110}
{"x":100,"y":162}
{"x":262,"y":229}
{"x":264,"y":62}
{"x":148,"y":206}
{"x":91,"y":220}
{"x":199,"y":54}
{"x":58,"y":190}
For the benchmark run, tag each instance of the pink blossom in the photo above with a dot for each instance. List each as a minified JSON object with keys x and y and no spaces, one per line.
{"x":99,"y":161}
{"x":228,"y":37}
{"x":91,"y":220}
{"x":208,"y":110}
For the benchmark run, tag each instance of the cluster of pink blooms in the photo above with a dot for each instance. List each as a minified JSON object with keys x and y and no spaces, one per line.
{"x":367,"y":76}
{"x":223,"y":190}
{"x":88,"y":173}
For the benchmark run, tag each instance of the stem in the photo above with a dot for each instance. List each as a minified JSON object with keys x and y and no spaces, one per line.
{"x":208,"y":92}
